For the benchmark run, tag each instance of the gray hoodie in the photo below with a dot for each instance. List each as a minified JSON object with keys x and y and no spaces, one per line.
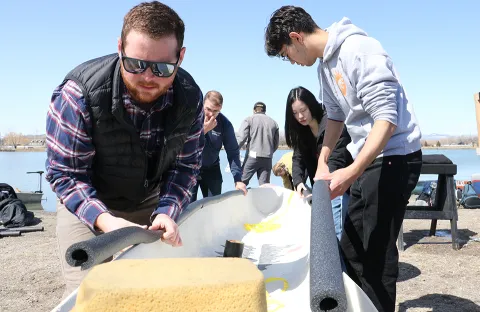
{"x":360,"y":85}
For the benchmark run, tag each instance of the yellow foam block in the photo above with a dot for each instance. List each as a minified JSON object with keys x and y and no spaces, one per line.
{"x":168,"y":285}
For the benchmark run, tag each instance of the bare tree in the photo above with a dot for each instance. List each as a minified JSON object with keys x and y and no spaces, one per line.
{"x":459,"y":140}
{"x":14,"y":138}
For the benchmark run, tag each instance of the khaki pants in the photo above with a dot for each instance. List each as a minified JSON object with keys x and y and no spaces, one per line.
{"x":71,"y":230}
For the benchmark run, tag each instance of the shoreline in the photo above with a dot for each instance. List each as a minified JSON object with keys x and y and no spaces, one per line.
{"x":282,"y":148}
{"x":29,"y":150}
{"x":459,"y":147}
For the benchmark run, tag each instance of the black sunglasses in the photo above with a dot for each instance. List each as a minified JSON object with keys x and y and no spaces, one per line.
{"x":159,"y":69}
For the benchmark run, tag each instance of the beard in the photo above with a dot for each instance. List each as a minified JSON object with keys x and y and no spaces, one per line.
{"x":142,"y":96}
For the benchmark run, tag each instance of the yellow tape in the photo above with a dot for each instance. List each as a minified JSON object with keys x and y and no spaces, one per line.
{"x":281,"y":279}
{"x":274,"y":305}
{"x":270,"y":225}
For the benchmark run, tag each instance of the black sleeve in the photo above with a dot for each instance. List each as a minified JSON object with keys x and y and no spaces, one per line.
{"x":340,"y":157}
{"x":298,"y":168}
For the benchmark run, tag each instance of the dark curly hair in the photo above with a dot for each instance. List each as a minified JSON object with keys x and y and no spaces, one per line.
{"x":283,"y":21}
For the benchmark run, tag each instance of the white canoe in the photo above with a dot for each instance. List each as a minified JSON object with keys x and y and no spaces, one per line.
{"x":275,"y":226}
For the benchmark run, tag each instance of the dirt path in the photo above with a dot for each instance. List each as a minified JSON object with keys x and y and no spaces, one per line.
{"x":433,"y":277}
{"x":33,"y":281}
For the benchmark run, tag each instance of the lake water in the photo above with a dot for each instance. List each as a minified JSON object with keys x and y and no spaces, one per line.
{"x":14,"y":165}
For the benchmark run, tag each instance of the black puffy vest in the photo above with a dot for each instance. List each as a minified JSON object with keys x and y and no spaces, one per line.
{"x":119,"y":170}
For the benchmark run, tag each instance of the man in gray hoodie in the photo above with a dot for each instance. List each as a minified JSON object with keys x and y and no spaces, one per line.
{"x":261,"y":135}
{"x":360,"y":88}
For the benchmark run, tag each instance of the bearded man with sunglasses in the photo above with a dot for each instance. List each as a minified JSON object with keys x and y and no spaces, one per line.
{"x":125,"y":136}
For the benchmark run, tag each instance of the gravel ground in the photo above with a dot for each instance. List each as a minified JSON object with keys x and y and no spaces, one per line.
{"x":31,"y":275}
{"x":433,"y":277}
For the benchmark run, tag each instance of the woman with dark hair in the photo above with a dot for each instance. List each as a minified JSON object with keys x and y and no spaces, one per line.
{"x":305,"y":121}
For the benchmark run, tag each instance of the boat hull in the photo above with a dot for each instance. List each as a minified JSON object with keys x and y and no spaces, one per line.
{"x":274,"y":225}
{"x":30,"y":197}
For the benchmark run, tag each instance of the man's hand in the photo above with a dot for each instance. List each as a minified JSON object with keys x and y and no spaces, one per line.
{"x":322,"y":171}
{"x":241,"y":186}
{"x":107,"y":223}
{"x":340,"y":180}
{"x":165,"y":223}
{"x":209,"y":123}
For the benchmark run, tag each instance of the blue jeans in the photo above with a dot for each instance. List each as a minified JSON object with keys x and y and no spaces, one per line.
{"x":339,"y":210}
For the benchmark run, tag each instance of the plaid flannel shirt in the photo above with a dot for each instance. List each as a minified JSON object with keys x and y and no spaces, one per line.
{"x":70,"y":152}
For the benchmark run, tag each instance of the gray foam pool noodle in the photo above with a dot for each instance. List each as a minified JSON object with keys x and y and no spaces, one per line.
{"x":93,"y":251}
{"x":327,"y":291}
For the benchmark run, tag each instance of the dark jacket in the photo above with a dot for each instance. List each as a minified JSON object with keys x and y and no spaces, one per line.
{"x":305,"y":157}
{"x":13,"y":212}
{"x":222,"y":135}
{"x":120,"y":167}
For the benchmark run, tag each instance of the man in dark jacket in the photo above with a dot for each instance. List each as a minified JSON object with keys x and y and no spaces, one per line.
{"x":218,"y":132}
{"x":124,"y":136}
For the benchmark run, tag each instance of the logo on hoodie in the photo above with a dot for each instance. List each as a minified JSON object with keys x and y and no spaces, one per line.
{"x":340,"y":82}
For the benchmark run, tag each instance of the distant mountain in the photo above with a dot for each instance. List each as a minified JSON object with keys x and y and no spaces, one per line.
{"x":36,"y":136}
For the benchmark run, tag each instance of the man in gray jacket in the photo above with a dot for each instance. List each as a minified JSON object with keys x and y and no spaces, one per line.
{"x":261,"y":135}
{"x":361,"y":89}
